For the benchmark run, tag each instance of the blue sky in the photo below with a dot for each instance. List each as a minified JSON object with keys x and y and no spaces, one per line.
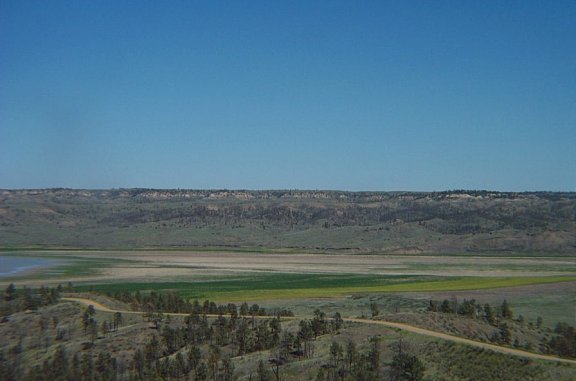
{"x":351,"y":95}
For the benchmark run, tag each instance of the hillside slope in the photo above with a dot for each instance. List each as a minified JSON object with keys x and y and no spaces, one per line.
{"x":383,"y":222}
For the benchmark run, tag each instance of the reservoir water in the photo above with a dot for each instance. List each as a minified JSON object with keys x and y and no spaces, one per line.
{"x":14,"y":266}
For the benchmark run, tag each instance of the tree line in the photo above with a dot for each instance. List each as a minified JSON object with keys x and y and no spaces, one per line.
{"x":17,"y":300}
{"x":154,"y":302}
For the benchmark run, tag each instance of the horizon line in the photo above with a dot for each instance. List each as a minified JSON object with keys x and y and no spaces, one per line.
{"x":220,"y":189}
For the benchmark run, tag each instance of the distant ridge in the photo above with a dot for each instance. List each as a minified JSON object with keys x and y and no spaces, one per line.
{"x":458,"y":221}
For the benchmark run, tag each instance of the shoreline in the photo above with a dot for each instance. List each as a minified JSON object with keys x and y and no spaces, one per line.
{"x":26,"y":270}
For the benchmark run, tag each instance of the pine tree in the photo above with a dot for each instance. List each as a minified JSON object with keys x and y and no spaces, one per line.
{"x":104,"y":328}
{"x":202,"y":371}
{"x":321,"y":375}
{"x":351,"y":354}
{"x":539,"y":322}
{"x":306,"y":334}
{"x":505,"y":334}
{"x":337,"y":322}
{"x":118,"y":320}
{"x":138,"y":363}
{"x":87,"y":367}
{"x":214,"y":359}
{"x":28,"y":302}
{"x":194,"y":357}
{"x":228,"y":369}
{"x":489,"y":314}
{"x":276,"y":329}
{"x":75,"y":369}
{"x":407,"y":367}
{"x":318,"y":323}
{"x":374,"y":310}
{"x":336,"y":354}
{"x":93,"y":330}
{"x":262,"y":372}
{"x":374,"y":354}
{"x":59,"y":366}
{"x":446,"y":307}
{"x":10,"y":293}
{"x":506,"y":311}
{"x":180,"y":365}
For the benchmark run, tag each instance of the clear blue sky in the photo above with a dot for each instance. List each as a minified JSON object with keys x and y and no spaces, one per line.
{"x":352,"y":95}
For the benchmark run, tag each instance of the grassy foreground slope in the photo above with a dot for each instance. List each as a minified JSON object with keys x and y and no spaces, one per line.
{"x":380,"y":222}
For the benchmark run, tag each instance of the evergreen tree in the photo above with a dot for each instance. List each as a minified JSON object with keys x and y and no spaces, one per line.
{"x":242,"y":334}
{"x":489,"y":314}
{"x":262,"y":373}
{"x":374,"y":354}
{"x":506,"y":311}
{"x":28,"y":302}
{"x":118,"y":320}
{"x":104,"y":328}
{"x":505,"y":334}
{"x":406,"y":367}
{"x":93,"y":330}
{"x":321,"y":375}
{"x":180,"y":365}
{"x":213,"y":360}
{"x":152,"y":349}
{"x":75,"y":368}
{"x":105,"y":366}
{"x":202,"y":372}
{"x":227,"y":369}
{"x":446,"y":307}
{"x":10,"y":293}
{"x":351,"y":354}
{"x":275,"y":330}
{"x":244,"y":309}
{"x":337,"y":322}
{"x":306,"y":334}
{"x":468,"y":308}
{"x":59,"y":366}
{"x":138,"y":363}
{"x":374,"y":310}
{"x":194,"y":357}
{"x":336,"y":354}
{"x":87,"y":367}
{"x":318,"y":323}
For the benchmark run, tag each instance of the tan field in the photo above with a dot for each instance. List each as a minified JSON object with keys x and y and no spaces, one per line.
{"x":170,"y":265}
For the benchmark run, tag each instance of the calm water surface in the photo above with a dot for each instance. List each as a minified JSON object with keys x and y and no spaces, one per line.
{"x":13,"y":266}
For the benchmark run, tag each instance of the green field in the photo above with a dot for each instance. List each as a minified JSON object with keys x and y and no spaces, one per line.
{"x":273,"y":286}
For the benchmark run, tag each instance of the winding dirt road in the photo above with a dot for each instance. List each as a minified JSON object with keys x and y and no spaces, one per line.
{"x":402,"y":326}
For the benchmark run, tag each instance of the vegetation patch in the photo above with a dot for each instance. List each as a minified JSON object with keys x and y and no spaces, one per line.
{"x":320,"y":221}
{"x":271,"y":286}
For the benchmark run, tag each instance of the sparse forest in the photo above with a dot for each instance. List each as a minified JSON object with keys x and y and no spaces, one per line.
{"x":454,"y":221}
{"x":561,"y":343}
{"x":170,"y":338}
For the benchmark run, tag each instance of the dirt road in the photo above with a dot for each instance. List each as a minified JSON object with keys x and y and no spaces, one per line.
{"x":404,"y":327}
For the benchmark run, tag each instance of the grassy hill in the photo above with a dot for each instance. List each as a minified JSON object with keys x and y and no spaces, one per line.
{"x":379,"y":222}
